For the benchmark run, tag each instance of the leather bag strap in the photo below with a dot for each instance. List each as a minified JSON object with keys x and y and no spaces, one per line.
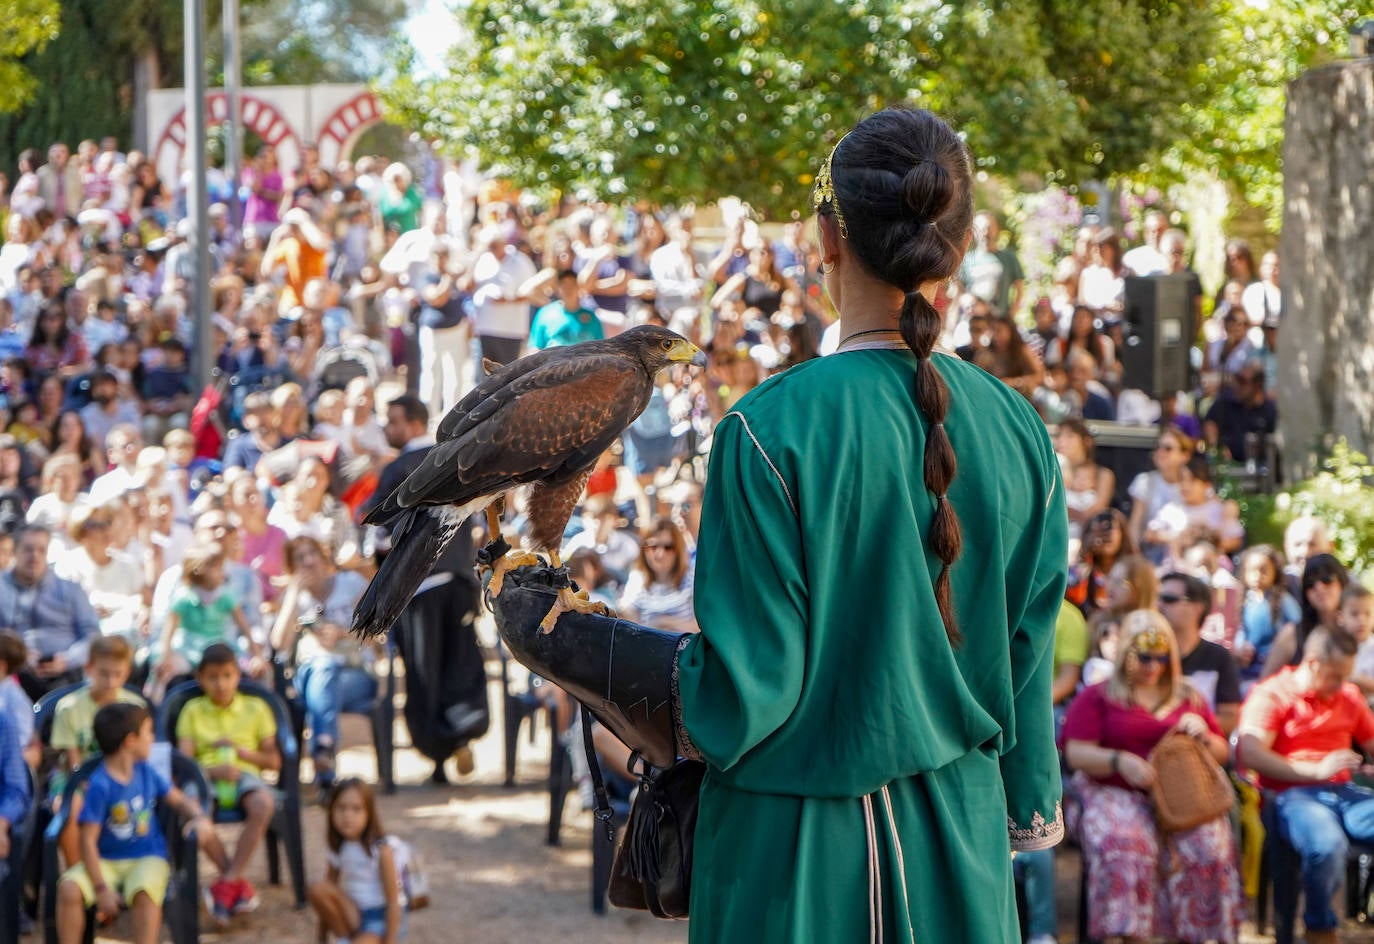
{"x":602,"y":810}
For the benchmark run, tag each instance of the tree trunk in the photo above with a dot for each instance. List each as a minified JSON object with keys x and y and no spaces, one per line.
{"x":1326,"y":342}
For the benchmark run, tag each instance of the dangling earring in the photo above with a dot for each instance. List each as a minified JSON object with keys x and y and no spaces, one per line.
{"x":827,"y":267}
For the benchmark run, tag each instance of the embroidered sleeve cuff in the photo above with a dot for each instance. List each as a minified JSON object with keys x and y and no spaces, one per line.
{"x":1040,"y":834}
{"x":685,"y":747}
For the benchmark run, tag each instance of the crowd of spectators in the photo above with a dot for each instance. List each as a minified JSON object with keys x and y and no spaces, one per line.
{"x":135,"y":505}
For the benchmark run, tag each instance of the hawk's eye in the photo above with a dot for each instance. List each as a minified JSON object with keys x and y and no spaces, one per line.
{"x":667,"y":345}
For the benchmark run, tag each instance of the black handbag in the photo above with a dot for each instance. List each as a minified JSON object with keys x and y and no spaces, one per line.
{"x":653,"y":864}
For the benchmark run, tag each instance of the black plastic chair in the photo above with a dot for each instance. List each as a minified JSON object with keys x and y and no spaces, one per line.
{"x":45,"y":710}
{"x":381,"y":713}
{"x":44,"y":713}
{"x":527,"y":705}
{"x":1278,"y":858}
{"x":285,"y":827}
{"x":517,"y":708}
{"x":181,"y":906}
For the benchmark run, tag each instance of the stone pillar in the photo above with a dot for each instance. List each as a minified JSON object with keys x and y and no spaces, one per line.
{"x":1326,"y":342}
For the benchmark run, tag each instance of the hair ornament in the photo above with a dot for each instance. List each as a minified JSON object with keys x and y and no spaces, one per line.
{"x":1151,"y":640}
{"x":825,"y":190}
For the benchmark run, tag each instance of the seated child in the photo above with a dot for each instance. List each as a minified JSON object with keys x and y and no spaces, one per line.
{"x":109,"y":661}
{"x":360,"y":896}
{"x":234,"y":738}
{"x":1357,"y":618}
{"x":123,"y":852}
{"x":14,"y":702}
{"x":201,"y":612}
{"x":1267,"y":609}
{"x":1197,"y":514}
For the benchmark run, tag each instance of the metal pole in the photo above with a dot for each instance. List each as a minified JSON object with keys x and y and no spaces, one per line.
{"x":233,"y":138}
{"x":198,"y":198}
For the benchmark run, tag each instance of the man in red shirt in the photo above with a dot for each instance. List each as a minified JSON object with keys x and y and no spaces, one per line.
{"x":1296,"y":731}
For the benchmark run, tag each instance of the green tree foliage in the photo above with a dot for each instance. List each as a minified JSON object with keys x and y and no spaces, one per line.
{"x":303,"y":42}
{"x":1237,"y":123}
{"x":1338,"y":495}
{"x":85,"y":76}
{"x":25,"y":26}
{"x":83,"y":81}
{"x":697,"y":98}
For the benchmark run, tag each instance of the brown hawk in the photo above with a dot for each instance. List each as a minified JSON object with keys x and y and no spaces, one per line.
{"x":540,"y":421}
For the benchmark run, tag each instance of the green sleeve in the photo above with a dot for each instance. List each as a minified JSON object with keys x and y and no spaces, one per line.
{"x":741,"y":678}
{"x":1030,"y":769}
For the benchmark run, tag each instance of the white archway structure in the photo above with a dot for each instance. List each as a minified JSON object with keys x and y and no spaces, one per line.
{"x":285,"y":117}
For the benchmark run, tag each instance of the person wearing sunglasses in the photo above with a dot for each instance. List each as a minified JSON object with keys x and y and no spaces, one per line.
{"x":1110,"y":730}
{"x":1185,"y":601}
{"x":659,"y":590}
{"x":1324,"y":579}
{"x":1151,"y":491}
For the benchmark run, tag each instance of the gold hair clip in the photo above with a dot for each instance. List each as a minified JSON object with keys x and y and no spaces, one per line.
{"x":825,"y":190}
{"x":1151,"y":640}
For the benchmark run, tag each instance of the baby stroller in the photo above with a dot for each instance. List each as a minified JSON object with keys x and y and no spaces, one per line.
{"x":336,"y":366}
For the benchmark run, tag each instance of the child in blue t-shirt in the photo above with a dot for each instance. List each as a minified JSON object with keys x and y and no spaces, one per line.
{"x":1268,"y":608}
{"x":123,"y":852}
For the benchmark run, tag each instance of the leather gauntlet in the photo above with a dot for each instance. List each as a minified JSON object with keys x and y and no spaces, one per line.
{"x":621,"y":671}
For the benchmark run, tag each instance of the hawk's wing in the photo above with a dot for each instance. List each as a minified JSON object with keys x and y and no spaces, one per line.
{"x":547,"y":424}
{"x":455,"y":420}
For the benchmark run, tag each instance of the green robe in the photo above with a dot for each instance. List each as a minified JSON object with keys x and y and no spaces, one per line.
{"x":822,"y":673}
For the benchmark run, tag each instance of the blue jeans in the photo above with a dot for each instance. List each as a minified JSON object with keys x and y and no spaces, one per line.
{"x":1035,"y":870}
{"x":1319,"y":822}
{"x":329,"y":688}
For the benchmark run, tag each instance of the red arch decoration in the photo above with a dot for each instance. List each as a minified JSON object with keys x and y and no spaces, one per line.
{"x":257,"y":115}
{"x":341,"y":129}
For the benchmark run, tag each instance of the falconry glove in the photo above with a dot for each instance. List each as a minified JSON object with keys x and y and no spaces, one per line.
{"x":621,"y":671}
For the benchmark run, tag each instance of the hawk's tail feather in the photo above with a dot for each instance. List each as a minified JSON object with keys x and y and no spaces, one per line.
{"x":383,"y":513}
{"x":418,"y":541}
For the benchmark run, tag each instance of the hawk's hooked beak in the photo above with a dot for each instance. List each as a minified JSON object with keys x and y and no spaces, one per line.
{"x":685,"y":352}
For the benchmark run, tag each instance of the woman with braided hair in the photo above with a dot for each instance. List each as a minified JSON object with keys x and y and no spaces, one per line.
{"x":881,"y":562}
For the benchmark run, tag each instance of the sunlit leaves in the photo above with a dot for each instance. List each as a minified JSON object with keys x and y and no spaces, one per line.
{"x":1238,"y":110}
{"x":699,"y":98}
{"x":26,"y":26}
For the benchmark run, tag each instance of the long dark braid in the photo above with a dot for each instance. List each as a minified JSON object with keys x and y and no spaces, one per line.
{"x":903,"y":180}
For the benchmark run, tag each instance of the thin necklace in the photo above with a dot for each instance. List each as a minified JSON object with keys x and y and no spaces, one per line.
{"x":859,"y":334}
{"x":893,"y":340}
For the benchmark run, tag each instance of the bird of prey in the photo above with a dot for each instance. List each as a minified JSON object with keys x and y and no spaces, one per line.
{"x":539,"y":421}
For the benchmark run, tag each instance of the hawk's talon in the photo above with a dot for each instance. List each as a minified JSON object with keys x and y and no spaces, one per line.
{"x":508,"y":562}
{"x":569,"y":601}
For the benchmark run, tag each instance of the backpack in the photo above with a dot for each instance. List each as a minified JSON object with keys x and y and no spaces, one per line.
{"x":414,"y":884}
